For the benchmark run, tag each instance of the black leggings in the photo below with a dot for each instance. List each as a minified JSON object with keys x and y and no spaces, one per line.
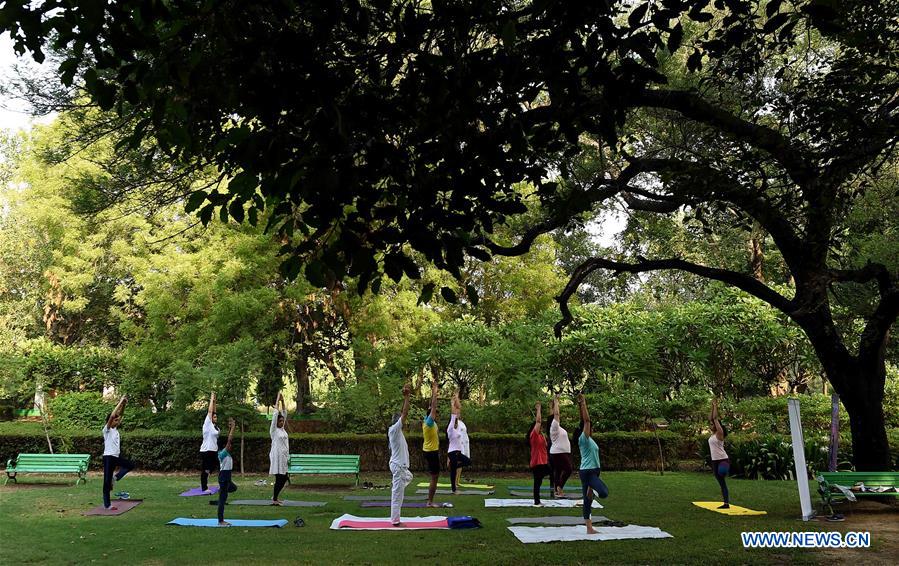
{"x":209,"y":464}
{"x":109,"y":464}
{"x":280,"y":480}
{"x":590,"y":480}
{"x":226,"y":486}
{"x":561,"y":465}
{"x":721,"y":468}
{"x":457,"y":460}
{"x":539,"y":472}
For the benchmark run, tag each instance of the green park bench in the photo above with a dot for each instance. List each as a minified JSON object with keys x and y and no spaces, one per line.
{"x":324,"y":464}
{"x":827,"y":482}
{"x":48,"y":464}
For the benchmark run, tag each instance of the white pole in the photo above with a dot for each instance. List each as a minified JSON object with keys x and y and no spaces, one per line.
{"x":799,"y":459}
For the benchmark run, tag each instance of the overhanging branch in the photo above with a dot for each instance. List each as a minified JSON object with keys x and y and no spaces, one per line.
{"x":740,"y":280}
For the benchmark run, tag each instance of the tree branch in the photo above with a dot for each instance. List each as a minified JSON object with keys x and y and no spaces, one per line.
{"x":742,"y":281}
{"x":693,"y":106}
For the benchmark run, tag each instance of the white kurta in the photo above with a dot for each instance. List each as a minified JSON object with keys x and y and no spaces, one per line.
{"x":280,"y":451}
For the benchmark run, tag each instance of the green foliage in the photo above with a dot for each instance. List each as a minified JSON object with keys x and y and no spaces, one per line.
{"x":80,"y":411}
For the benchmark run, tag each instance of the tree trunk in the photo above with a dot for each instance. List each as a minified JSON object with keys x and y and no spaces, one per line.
{"x":304,"y":393}
{"x":859,"y":381}
{"x":756,"y":251}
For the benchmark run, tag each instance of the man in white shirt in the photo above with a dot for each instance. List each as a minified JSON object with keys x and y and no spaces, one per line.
{"x":399,"y":461}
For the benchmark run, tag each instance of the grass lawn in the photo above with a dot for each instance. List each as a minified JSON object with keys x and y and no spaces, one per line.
{"x":41,"y":522}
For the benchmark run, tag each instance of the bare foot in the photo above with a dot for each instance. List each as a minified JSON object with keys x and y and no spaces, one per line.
{"x":592,"y":531}
{"x":431,"y":504}
{"x":399,"y":525}
{"x":224,"y":524}
{"x":113,"y":508}
{"x":277,"y":502}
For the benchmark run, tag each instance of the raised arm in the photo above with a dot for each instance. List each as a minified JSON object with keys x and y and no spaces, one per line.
{"x":539,"y":418}
{"x":555,"y":409}
{"x":119,"y":409}
{"x":716,"y":422}
{"x":457,"y":409}
{"x":283,"y":409}
{"x":585,"y":414}
{"x":230,"y":434}
{"x":211,"y":408}
{"x":407,"y":392}
{"x":434,"y":400}
{"x":274,"y":424}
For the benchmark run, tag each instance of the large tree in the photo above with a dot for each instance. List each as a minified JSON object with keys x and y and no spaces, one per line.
{"x":370,"y":128}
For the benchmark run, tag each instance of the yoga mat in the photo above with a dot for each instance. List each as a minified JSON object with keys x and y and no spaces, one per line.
{"x":530,"y":503}
{"x":460,"y":485}
{"x":411,"y":504}
{"x":553,"y":534}
{"x":195,"y":491}
{"x":460,"y":492}
{"x":351,"y":522}
{"x":268,"y":503}
{"x":123,"y":506}
{"x":568,"y":486}
{"x":383,"y":497}
{"x":531,"y":494}
{"x":185,"y":522}
{"x":559,"y":520}
{"x":734,"y":509}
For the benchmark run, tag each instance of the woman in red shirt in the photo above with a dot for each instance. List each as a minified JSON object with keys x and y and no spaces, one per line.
{"x":539,"y":456}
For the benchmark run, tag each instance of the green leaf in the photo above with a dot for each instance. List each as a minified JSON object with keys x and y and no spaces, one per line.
{"x":236,"y":210}
{"x":194,"y":201}
{"x":675,"y":37}
{"x":206,"y":214}
{"x":636,"y":17}
{"x":472,"y":294}
{"x":449,"y":295}
{"x":427,"y":292}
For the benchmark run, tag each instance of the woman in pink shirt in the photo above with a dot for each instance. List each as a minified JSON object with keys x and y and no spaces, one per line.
{"x":720,"y":460}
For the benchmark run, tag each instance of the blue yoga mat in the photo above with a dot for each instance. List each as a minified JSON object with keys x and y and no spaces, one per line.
{"x":185,"y":522}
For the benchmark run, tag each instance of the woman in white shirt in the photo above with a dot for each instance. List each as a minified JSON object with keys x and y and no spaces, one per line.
{"x":559,"y":451}
{"x":112,"y":457}
{"x":458,"y":449}
{"x":280,"y":451}
{"x":210,"y":445}
{"x":720,"y":460}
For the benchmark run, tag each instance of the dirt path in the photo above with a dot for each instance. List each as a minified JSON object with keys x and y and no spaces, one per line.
{"x":882,"y":521}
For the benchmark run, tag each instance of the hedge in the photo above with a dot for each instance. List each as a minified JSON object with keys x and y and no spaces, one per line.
{"x":173,"y":451}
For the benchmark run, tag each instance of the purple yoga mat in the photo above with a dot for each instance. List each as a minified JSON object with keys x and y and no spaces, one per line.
{"x":122,"y":506}
{"x":387,"y":504}
{"x":193,"y":492}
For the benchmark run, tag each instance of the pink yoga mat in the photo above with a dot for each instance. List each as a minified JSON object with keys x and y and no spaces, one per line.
{"x":441,"y":524}
{"x":195,"y":491}
{"x":123,"y":505}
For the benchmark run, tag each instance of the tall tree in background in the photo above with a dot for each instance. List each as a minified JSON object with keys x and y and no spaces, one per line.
{"x":369,"y":128}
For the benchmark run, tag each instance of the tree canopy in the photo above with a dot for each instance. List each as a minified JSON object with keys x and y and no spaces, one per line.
{"x":369,"y":133}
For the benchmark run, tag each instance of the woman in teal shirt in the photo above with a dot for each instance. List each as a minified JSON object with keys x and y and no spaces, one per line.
{"x":589,"y":471}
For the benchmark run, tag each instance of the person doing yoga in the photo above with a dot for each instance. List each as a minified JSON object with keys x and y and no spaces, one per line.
{"x":458,"y":444}
{"x":539,"y":456}
{"x":112,"y":452}
{"x":209,"y":461}
{"x":399,"y":460}
{"x":280,"y":451}
{"x":225,"y":465}
{"x":559,"y":451}
{"x":431,"y":445}
{"x":720,"y":460}
{"x":589,"y":472}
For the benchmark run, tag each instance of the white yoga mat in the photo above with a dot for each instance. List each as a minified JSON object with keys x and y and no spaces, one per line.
{"x":568,"y":503}
{"x":562,"y":534}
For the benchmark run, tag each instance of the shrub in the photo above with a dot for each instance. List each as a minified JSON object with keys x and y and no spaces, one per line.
{"x":80,"y":410}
